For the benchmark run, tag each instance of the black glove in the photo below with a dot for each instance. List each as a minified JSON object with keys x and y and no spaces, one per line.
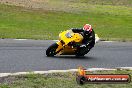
{"x":76,"y":45}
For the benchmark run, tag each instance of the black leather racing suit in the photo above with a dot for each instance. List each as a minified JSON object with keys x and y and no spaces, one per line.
{"x":88,"y":41}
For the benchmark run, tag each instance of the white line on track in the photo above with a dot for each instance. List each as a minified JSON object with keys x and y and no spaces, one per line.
{"x":58,"y":40}
{"x":55,"y":40}
{"x":56,"y":71}
{"x":95,"y":41}
{"x":20,"y":39}
{"x":107,"y":41}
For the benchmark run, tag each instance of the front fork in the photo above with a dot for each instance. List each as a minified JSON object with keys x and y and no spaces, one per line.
{"x":60,"y":47}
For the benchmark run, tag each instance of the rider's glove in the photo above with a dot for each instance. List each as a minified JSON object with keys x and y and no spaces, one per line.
{"x":76,"y":45}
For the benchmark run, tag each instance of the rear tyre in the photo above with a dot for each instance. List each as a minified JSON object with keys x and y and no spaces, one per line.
{"x":51,"y":51}
{"x":80,"y":52}
{"x":79,"y":55}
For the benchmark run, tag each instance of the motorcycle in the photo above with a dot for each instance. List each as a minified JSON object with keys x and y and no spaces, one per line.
{"x":64,"y":46}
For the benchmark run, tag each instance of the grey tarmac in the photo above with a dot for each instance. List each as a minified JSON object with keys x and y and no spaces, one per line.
{"x":29,"y":55}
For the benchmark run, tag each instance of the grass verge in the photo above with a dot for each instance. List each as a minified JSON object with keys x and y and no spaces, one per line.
{"x":110,"y":22}
{"x":57,"y":80}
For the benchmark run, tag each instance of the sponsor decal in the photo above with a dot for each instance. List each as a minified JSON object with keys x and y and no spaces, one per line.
{"x":82,"y":77}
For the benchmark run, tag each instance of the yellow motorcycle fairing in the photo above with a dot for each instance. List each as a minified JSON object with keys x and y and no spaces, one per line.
{"x":65,"y":38}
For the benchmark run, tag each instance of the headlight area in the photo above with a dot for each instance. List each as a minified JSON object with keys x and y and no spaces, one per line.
{"x":68,"y":35}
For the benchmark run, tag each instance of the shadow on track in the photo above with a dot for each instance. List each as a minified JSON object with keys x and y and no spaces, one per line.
{"x":75,"y":57}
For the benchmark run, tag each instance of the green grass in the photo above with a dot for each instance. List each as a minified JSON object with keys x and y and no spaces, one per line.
{"x":105,"y":2}
{"x":58,"y":80}
{"x":110,"y":22}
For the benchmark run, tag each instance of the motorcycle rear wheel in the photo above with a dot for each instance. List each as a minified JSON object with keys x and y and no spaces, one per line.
{"x":51,"y":51}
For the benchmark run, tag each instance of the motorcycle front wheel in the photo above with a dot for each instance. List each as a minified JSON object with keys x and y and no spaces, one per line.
{"x":51,"y":51}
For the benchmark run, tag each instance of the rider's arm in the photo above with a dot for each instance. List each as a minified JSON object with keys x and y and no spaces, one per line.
{"x":77,"y":30}
{"x":90,"y":39}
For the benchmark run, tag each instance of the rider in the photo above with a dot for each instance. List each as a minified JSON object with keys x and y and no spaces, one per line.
{"x":88,"y":39}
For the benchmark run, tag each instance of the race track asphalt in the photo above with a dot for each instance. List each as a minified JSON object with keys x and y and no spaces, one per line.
{"x":29,"y":55}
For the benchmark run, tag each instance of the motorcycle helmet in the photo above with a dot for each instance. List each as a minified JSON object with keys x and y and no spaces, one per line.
{"x":87,"y":28}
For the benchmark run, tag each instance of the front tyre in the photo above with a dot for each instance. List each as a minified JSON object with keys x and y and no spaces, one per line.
{"x":51,"y":51}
